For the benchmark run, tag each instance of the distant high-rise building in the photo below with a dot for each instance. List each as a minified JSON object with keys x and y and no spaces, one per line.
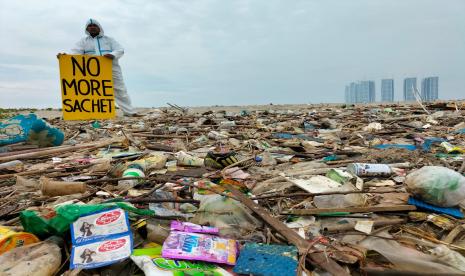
{"x":360,"y":92}
{"x":352,"y":92}
{"x":410,"y":84}
{"x":366,"y":92}
{"x":429,"y":89}
{"x":387,"y":90}
{"x":347,"y":94}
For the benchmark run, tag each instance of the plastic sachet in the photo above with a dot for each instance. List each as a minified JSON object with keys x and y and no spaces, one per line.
{"x":200,"y":247}
{"x":153,"y":264}
{"x":193,"y":228}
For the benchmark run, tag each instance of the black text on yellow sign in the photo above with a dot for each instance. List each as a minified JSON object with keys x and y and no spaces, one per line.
{"x":86,"y":87}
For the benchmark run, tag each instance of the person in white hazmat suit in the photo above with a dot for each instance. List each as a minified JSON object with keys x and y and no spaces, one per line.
{"x":98,"y":44}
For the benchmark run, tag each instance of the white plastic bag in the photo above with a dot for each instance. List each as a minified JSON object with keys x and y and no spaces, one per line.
{"x":437,"y":185}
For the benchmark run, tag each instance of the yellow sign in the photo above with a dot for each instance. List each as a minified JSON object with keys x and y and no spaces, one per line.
{"x":86,"y":87}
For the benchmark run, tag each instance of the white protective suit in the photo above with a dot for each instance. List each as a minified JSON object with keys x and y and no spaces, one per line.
{"x":99,"y":46}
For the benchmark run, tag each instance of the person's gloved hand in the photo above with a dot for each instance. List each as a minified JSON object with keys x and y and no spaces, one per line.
{"x":220,"y":160}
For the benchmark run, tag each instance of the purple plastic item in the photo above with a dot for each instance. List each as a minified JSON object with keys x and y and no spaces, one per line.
{"x":193,"y":228}
{"x":199,"y":247}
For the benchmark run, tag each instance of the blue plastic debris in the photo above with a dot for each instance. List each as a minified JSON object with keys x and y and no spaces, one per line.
{"x":332,"y":157}
{"x":245,"y":113}
{"x":22,"y":128}
{"x":267,"y":260}
{"x":428,"y":142}
{"x":452,"y":211}
{"x":308,"y":126}
{"x":396,"y":146}
{"x":460,"y":131}
{"x":282,"y":135}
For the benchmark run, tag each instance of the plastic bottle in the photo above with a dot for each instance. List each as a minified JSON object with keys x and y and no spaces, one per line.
{"x":158,"y":230}
{"x":185,"y":159}
{"x":58,"y":188}
{"x":133,"y":170}
{"x":154,"y":161}
{"x":38,"y":259}
{"x":363,"y":169}
{"x":227,"y":124}
{"x":15,"y":165}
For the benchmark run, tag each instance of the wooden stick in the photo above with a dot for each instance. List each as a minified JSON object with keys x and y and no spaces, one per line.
{"x":59,"y":150}
{"x":374,"y":209}
{"x":157,"y":135}
{"x":404,"y":118}
{"x":326,"y":193}
{"x":350,"y":226}
{"x":303,"y":245}
{"x":159,"y":200}
{"x":44,"y":171}
{"x":3,"y":154}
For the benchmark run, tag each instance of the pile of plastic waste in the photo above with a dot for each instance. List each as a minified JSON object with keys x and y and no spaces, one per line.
{"x":265,"y":190}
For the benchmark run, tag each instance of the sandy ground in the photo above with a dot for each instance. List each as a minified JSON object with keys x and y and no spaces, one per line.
{"x":56,"y":113}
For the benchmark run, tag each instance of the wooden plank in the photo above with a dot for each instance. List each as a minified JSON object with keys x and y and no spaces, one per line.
{"x":318,"y":259}
{"x":374,"y":209}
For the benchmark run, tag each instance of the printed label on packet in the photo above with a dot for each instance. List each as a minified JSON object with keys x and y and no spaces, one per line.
{"x":101,"y":253}
{"x":193,"y":228}
{"x":201,"y":247}
{"x":99,"y":225}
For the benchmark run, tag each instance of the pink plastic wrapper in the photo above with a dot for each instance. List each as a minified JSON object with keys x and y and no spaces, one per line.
{"x":193,"y":228}
{"x":200,"y":247}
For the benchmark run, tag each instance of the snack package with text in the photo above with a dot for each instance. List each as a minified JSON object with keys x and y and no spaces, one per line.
{"x":200,"y":247}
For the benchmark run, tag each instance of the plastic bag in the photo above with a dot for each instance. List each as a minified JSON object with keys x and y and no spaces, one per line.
{"x":406,"y":258}
{"x":437,"y":185}
{"x":39,"y":259}
{"x":447,"y":256}
{"x":22,"y":128}
{"x":230,"y":216}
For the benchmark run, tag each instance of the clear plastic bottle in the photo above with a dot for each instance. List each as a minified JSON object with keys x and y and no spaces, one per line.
{"x":133,"y":170}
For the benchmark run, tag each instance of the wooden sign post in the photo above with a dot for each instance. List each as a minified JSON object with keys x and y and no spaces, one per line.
{"x":86,"y":87}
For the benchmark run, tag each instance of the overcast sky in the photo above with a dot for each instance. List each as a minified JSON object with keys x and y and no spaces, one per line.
{"x":236,"y":52}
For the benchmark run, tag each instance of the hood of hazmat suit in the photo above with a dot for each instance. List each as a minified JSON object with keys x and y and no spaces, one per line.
{"x":93,"y":21}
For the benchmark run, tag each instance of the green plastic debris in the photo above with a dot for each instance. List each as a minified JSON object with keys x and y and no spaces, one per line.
{"x":339,"y":175}
{"x":150,"y":260}
{"x":96,"y":124}
{"x":56,"y":221}
{"x":331,"y":157}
